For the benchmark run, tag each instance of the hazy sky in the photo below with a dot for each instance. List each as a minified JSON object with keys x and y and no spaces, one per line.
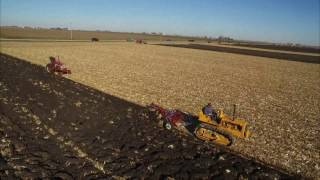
{"x":295,"y":21}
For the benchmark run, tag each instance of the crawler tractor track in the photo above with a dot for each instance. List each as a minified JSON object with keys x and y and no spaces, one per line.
{"x":209,"y":133}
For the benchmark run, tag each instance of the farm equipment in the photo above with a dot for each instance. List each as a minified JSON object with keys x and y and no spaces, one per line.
{"x":141,"y":41}
{"x":220,"y":131}
{"x":56,"y":66}
{"x":170,"y":117}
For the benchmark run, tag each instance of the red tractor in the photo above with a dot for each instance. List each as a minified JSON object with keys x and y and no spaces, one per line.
{"x":141,"y":41}
{"x":56,"y":66}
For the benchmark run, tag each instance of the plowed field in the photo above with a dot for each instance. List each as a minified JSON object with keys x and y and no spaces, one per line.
{"x":279,"y":98}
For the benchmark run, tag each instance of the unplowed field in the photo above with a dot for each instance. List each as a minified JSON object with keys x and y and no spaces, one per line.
{"x":279,"y":98}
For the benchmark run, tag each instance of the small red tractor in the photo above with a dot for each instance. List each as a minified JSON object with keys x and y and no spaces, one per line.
{"x":57,"y":67}
{"x":141,"y":41}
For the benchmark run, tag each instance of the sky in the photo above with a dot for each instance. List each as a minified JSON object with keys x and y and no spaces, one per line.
{"x":294,"y":21}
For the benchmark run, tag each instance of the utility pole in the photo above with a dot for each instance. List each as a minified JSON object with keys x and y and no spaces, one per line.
{"x":70,"y":31}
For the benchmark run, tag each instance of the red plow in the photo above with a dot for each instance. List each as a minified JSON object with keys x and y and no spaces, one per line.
{"x":57,"y":67}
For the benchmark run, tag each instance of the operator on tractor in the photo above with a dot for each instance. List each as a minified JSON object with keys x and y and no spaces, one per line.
{"x":209,"y":111}
{"x":56,"y":62}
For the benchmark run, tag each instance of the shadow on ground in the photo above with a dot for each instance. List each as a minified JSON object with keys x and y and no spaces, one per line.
{"x":251,"y":52}
{"x":53,"y":127}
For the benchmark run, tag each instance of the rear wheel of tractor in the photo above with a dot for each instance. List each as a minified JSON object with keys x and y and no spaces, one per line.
{"x":48,"y":68}
{"x":167,"y":125}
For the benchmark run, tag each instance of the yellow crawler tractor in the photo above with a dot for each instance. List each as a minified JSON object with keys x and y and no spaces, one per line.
{"x":222,"y":129}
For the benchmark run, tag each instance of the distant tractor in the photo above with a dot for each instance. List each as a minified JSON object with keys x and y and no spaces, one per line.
{"x":94,"y":39}
{"x":141,"y":41}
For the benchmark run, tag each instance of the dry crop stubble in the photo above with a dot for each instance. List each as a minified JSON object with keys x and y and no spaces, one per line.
{"x":280,"y":99}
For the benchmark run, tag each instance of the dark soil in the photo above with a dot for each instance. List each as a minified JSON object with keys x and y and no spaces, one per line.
{"x":52,"y":127}
{"x":282,"y":47}
{"x":251,"y":52}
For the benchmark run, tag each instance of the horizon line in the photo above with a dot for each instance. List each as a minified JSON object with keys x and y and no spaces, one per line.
{"x":204,"y":37}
